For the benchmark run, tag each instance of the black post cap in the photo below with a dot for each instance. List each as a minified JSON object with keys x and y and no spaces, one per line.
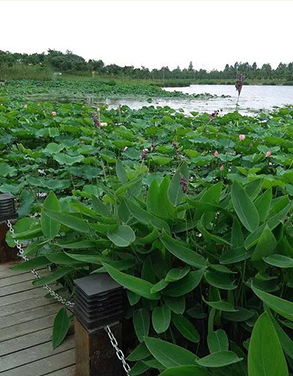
{"x":98,"y":300}
{"x":7,"y":207}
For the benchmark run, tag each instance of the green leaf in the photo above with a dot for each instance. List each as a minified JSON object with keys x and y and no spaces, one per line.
{"x":139,"y":353}
{"x":50,"y":227}
{"x":185,"y":371}
{"x":175,"y":193}
{"x":221,"y":305}
{"x":177,"y":305}
{"x":159,"y":286}
{"x":176,"y":274}
{"x":146,"y":218}
{"x":281,"y":306}
{"x":88,"y":258}
{"x":208,"y":235}
{"x":183,"y":253}
{"x":141,"y":322}
{"x":184,"y":285}
{"x":169,"y":355}
{"x":235,"y":255}
{"x":161,"y":318}
{"x":121,"y":173}
{"x":134,"y":284}
{"x":60,"y":327}
{"x":100,"y":207}
{"x":265,"y":246}
{"x":265,"y":355}
{"x":54,"y":276}
{"x":185,"y":327}
{"x":138,"y":369}
{"x":279,"y":261}
{"x":218,"y":341}
{"x":253,"y":188}
{"x":220,"y":280}
{"x":82,"y":244}
{"x":132,"y":298}
{"x":122,"y":237}
{"x":68,"y":220}
{"x":38,"y":262}
{"x":219,"y":359}
{"x":263,"y":204}
{"x":244,"y":208}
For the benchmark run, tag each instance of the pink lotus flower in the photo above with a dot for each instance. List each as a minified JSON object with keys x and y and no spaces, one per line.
{"x":268,"y":153}
{"x":216,"y":153}
{"x":25,"y":106}
{"x":222,"y":167}
{"x":53,"y":113}
{"x":126,"y":147}
{"x":242,"y":137}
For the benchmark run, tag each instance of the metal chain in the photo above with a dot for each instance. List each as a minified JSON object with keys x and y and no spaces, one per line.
{"x":67,"y":303}
{"x":119,"y":352}
{"x":21,"y":254}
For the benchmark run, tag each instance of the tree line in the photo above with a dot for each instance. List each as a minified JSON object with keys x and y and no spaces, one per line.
{"x":71,"y":63}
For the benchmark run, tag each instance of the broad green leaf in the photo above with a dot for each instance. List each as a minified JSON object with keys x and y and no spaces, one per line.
{"x":185,"y":327}
{"x":139,"y":353}
{"x":159,"y":286}
{"x":263,"y":204}
{"x":185,"y":371}
{"x":253,"y":188}
{"x":60,"y":327}
{"x":50,"y":227}
{"x":141,"y":322}
{"x":265,"y":246}
{"x":146,"y":218}
{"x":184,"y":285}
{"x":38,"y":262}
{"x":88,"y":258}
{"x":244,"y":208}
{"x":100,"y":207}
{"x":218,"y":341}
{"x":177,"y":305}
{"x":242,"y":314}
{"x":176,"y":274}
{"x":61,"y":258}
{"x":161,"y":318}
{"x":286,"y":341}
{"x":138,"y":369}
{"x":219,"y":359}
{"x":175,"y":193}
{"x":207,"y":235}
{"x":122,"y":237}
{"x":82,"y":244}
{"x":281,"y":306}
{"x":169,"y":355}
{"x":54,"y":276}
{"x":265,"y":355}
{"x":221,"y":305}
{"x":121,"y":173}
{"x":68,"y":220}
{"x":183,"y":253}
{"x":237,"y":238}
{"x":220,"y":280}
{"x":134,"y":284}
{"x":272,"y":223}
{"x":133,"y":298}
{"x":279,"y":261}
{"x":235,"y":255}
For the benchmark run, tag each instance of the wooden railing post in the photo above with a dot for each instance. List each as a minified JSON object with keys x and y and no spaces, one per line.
{"x":7,"y":212}
{"x":98,"y":303}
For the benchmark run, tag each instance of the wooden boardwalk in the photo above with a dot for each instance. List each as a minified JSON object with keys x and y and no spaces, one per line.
{"x":26,"y":319}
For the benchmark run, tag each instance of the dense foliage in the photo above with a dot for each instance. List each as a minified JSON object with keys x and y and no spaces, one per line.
{"x":191,"y":214}
{"x":69,"y":62}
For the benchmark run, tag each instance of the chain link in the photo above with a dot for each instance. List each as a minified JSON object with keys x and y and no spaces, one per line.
{"x":119,"y":352}
{"x":67,"y":303}
{"x":21,"y":254}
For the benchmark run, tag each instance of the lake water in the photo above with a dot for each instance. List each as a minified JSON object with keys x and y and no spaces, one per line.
{"x":252,"y":99}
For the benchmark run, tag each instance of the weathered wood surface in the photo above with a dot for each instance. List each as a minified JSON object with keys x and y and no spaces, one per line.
{"x":26,"y":319}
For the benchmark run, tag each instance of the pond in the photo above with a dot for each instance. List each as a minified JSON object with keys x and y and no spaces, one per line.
{"x":252,"y":99}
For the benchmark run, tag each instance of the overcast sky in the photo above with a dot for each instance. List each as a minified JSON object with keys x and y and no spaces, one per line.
{"x":152,"y":33}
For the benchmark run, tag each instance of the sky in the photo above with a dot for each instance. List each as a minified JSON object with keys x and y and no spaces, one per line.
{"x":152,"y":33}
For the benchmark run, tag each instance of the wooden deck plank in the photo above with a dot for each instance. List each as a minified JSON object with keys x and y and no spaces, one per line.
{"x":5,"y":270}
{"x":32,"y":314}
{"x":17,"y":278}
{"x":23,"y":342}
{"x":19,"y":287}
{"x":43,"y":366}
{"x":20,"y":297}
{"x":68,"y":371}
{"x":26,"y":328}
{"x":32,"y":354}
{"x":24,"y":305}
